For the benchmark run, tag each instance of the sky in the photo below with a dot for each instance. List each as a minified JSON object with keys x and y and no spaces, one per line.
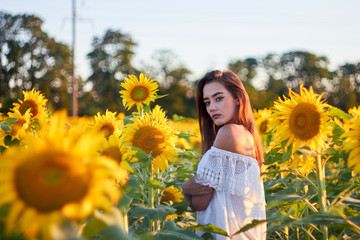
{"x":205,"y":34}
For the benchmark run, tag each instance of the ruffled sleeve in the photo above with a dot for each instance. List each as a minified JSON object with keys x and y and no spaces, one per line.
{"x":232,"y":173}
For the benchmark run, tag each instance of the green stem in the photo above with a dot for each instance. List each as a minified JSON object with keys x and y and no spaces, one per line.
{"x":124,"y":221}
{"x":320,"y":170}
{"x":151,"y":198}
{"x":286,"y":231}
{"x":306,"y":213}
{"x":286,"y":228}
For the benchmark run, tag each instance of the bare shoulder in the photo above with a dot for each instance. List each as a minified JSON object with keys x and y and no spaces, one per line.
{"x":235,"y":138}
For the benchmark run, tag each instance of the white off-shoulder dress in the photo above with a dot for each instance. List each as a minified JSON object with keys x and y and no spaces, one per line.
{"x":238,"y":197}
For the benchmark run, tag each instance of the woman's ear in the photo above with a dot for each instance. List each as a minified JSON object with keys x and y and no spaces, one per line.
{"x":237,"y":102}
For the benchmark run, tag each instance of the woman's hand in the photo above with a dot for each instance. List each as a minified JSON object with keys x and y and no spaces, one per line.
{"x":193,"y":188}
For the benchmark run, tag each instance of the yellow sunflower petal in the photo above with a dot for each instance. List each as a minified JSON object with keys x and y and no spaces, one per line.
{"x":152,"y":134}
{"x":305,"y":123}
{"x":351,"y":142}
{"x":35,"y":101}
{"x":138,"y":92}
{"x":54,"y":179}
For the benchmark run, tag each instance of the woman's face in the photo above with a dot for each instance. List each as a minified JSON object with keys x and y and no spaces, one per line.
{"x":219,"y":103}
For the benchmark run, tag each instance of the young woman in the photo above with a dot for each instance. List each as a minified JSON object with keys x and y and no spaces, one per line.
{"x":227,"y":190}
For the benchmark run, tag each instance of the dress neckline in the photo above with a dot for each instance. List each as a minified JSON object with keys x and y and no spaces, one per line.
{"x":232,"y":153}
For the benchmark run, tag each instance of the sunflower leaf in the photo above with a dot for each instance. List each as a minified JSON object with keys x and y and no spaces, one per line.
{"x":210,"y":228}
{"x":337,"y":131}
{"x":158,"y":213}
{"x":154,"y":184}
{"x":2,"y":149}
{"x":253,"y":224}
{"x":178,"y":118}
{"x":5,"y":127}
{"x":272,"y":156}
{"x":133,"y":188}
{"x":161,"y":96}
{"x":9,"y":142}
{"x":113,"y":233}
{"x":307,"y":151}
{"x":146,"y":108}
{"x":283,"y":144}
{"x":186,"y":135}
{"x":11,"y":120}
{"x":140,"y":154}
{"x":181,"y":234}
{"x":286,"y":156}
{"x":96,"y":225}
{"x":128,"y":120}
{"x":92,"y":227}
{"x":336,"y":112}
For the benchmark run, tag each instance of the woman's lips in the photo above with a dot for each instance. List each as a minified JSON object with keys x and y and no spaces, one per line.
{"x":216,"y":116}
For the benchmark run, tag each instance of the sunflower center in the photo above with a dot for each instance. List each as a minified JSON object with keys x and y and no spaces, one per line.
{"x":167,"y":196}
{"x":113,"y":152}
{"x":305,"y":121}
{"x":263,"y":126}
{"x":47,"y":182}
{"x":107,"y":129}
{"x":139,"y":93}
{"x":150,"y":140}
{"x":29,"y":104}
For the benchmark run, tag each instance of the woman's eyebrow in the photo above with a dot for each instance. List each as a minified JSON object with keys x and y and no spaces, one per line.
{"x":214,"y":95}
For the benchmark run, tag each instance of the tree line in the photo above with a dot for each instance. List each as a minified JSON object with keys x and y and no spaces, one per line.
{"x":30,"y":58}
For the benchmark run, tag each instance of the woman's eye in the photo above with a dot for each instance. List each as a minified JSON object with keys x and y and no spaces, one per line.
{"x":219,"y":99}
{"x":207,"y":103}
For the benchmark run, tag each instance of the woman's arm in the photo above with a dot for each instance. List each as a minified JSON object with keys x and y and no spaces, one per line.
{"x":201,"y":202}
{"x":198,"y":195}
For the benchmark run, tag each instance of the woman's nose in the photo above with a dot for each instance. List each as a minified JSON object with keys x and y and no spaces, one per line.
{"x":212,"y":106}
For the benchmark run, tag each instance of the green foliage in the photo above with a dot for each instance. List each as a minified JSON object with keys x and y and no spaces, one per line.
{"x":335,"y":112}
{"x":6,"y":124}
{"x":110,"y":57}
{"x":28,"y":54}
{"x":254,"y":223}
{"x":3,"y":234}
{"x":158,"y":213}
{"x":293,"y":199}
{"x":171,"y":231}
{"x":113,"y":233}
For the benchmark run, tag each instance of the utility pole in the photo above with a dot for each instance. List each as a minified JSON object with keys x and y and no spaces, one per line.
{"x":75,"y":86}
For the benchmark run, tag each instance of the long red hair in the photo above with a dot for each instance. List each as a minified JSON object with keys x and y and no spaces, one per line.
{"x":244,"y":114}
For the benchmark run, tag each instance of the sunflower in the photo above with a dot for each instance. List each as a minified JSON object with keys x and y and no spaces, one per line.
{"x":138,"y":91}
{"x":108,"y":124}
{"x":352,"y":143}
{"x":262,"y":117}
{"x":301,"y":120}
{"x":171,"y":194}
{"x":55,"y":177}
{"x":111,"y":148}
{"x":18,"y":128}
{"x":151,"y":133}
{"x":35,"y":101}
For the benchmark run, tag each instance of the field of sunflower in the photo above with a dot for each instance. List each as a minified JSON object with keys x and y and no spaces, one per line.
{"x":113,"y":176}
